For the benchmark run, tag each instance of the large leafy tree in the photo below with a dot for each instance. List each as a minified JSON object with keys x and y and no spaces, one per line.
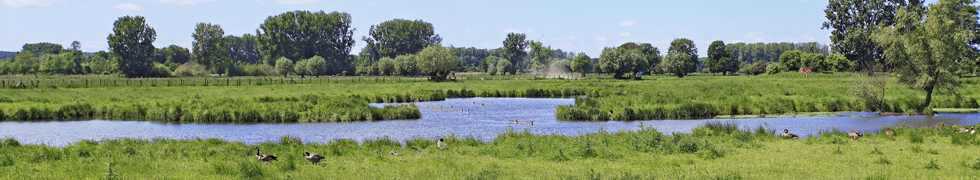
{"x":42,"y":48}
{"x":620,"y":61}
{"x":209,"y":47}
{"x":284,"y":66}
{"x":582,"y":63}
{"x":437,"y":61}
{"x":677,"y":63}
{"x":244,"y":49}
{"x":650,"y":54}
{"x":406,"y":65}
{"x":852,"y":23}
{"x":302,"y":34}
{"x":540,"y":54}
{"x":316,"y":66}
{"x":132,"y":39}
{"x":398,"y":36}
{"x":721,"y":59}
{"x":686,"y":46}
{"x":925,"y":45}
{"x":173,"y":54}
{"x":514,"y":50}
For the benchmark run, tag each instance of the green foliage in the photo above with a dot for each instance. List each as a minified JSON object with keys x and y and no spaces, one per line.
{"x":437,"y":61}
{"x":132,"y":39}
{"x":386,"y":66}
{"x":929,"y":43}
{"x":300,"y":68}
{"x":514,"y":49}
{"x":687,"y":46}
{"x":677,"y":63}
{"x":406,"y":65}
{"x":721,"y":59}
{"x":581,"y":63}
{"x":284,"y":66}
{"x":502,"y":67}
{"x":838,"y":63}
{"x":210,"y":48}
{"x":775,"y":68}
{"x":792,"y":59}
{"x":540,"y":54}
{"x":399,"y":37}
{"x":315,"y":66}
{"x":293,"y":35}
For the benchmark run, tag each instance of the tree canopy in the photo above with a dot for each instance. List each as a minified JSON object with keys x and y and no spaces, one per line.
{"x":210,"y":48}
{"x":514,"y":50}
{"x":300,"y":35}
{"x":721,"y":59}
{"x":437,"y":61}
{"x":132,"y":39}
{"x":398,"y":36}
{"x":852,"y":22}
{"x":925,"y":45}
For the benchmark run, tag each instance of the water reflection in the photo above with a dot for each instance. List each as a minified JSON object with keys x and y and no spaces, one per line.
{"x":482,"y":121}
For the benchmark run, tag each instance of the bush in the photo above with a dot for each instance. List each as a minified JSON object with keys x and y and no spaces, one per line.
{"x":191,"y":69}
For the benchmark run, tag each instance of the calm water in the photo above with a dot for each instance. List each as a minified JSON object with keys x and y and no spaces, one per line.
{"x":482,"y":122}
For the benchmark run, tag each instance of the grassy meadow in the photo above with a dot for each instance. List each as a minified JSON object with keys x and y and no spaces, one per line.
{"x":712,"y":151}
{"x":333,"y":99}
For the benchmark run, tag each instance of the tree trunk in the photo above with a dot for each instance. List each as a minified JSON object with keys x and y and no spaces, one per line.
{"x":928,"y":97}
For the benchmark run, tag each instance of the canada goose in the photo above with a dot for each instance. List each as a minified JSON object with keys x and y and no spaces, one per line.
{"x":854,"y":134}
{"x":472,"y":102}
{"x":972,"y":131}
{"x":890,"y":132}
{"x":962,"y":130}
{"x":515,"y":121}
{"x":789,"y":135}
{"x":416,"y":149}
{"x":393,"y":153}
{"x":313,"y":158}
{"x":264,"y":158}
{"x":530,"y":123}
{"x":442,"y":144}
{"x":481,"y":104}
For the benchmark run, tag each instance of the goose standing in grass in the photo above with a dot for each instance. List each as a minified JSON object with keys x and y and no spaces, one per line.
{"x":972,"y":131}
{"x":890,"y":132}
{"x":264,"y":158}
{"x":854,"y":134}
{"x":442,"y":144}
{"x":313,"y":158}
{"x":789,"y":135}
{"x":393,"y":153}
{"x":962,"y":130}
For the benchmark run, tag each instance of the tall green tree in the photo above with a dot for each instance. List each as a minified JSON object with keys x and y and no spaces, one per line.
{"x":386,"y":66}
{"x":582,"y":63}
{"x":132,"y":39}
{"x":398,"y":36}
{"x":173,"y":54}
{"x":925,"y":45}
{"x":792,"y":59}
{"x":284,"y":66}
{"x":721,"y":59}
{"x":514,"y":50}
{"x":315,"y":66}
{"x":302,"y":34}
{"x":852,"y":23}
{"x":437,"y":61}
{"x":244,"y":49}
{"x":686,"y":46}
{"x":42,"y":48}
{"x":24,"y":63}
{"x":406,"y":65}
{"x":210,"y":48}
{"x":540,"y":54}
{"x":650,"y":53}
{"x":678,"y":63}
{"x":620,"y":61}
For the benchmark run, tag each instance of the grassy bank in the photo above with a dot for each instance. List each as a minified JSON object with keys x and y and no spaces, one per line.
{"x":275,"y":99}
{"x":713,"y":151}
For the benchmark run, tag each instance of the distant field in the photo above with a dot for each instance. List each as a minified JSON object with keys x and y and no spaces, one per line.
{"x":294,"y":99}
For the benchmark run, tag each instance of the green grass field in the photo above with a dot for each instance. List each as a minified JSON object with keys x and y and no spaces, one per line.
{"x":713,"y":151}
{"x":276,"y":99}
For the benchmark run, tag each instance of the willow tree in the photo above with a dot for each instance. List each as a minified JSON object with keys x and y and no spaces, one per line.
{"x":437,"y":61}
{"x":300,"y":35}
{"x":924,"y":45}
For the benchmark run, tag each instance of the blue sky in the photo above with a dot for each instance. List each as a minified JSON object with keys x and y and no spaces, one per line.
{"x":570,"y":25}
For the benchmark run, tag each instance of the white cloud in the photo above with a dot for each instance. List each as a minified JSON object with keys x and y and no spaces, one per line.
{"x":571,"y":37}
{"x":526,"y":31}
{"x":626,"y":23}
{"x":27,"y":3}
{"x":626,"y":34}
{"x":129,"y":7}
{"x":182,"y":2}
{"x":807,"y":37}
{"x":756,"y":36}
{"x":297,"y":2}
{"x":600,"y":38}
